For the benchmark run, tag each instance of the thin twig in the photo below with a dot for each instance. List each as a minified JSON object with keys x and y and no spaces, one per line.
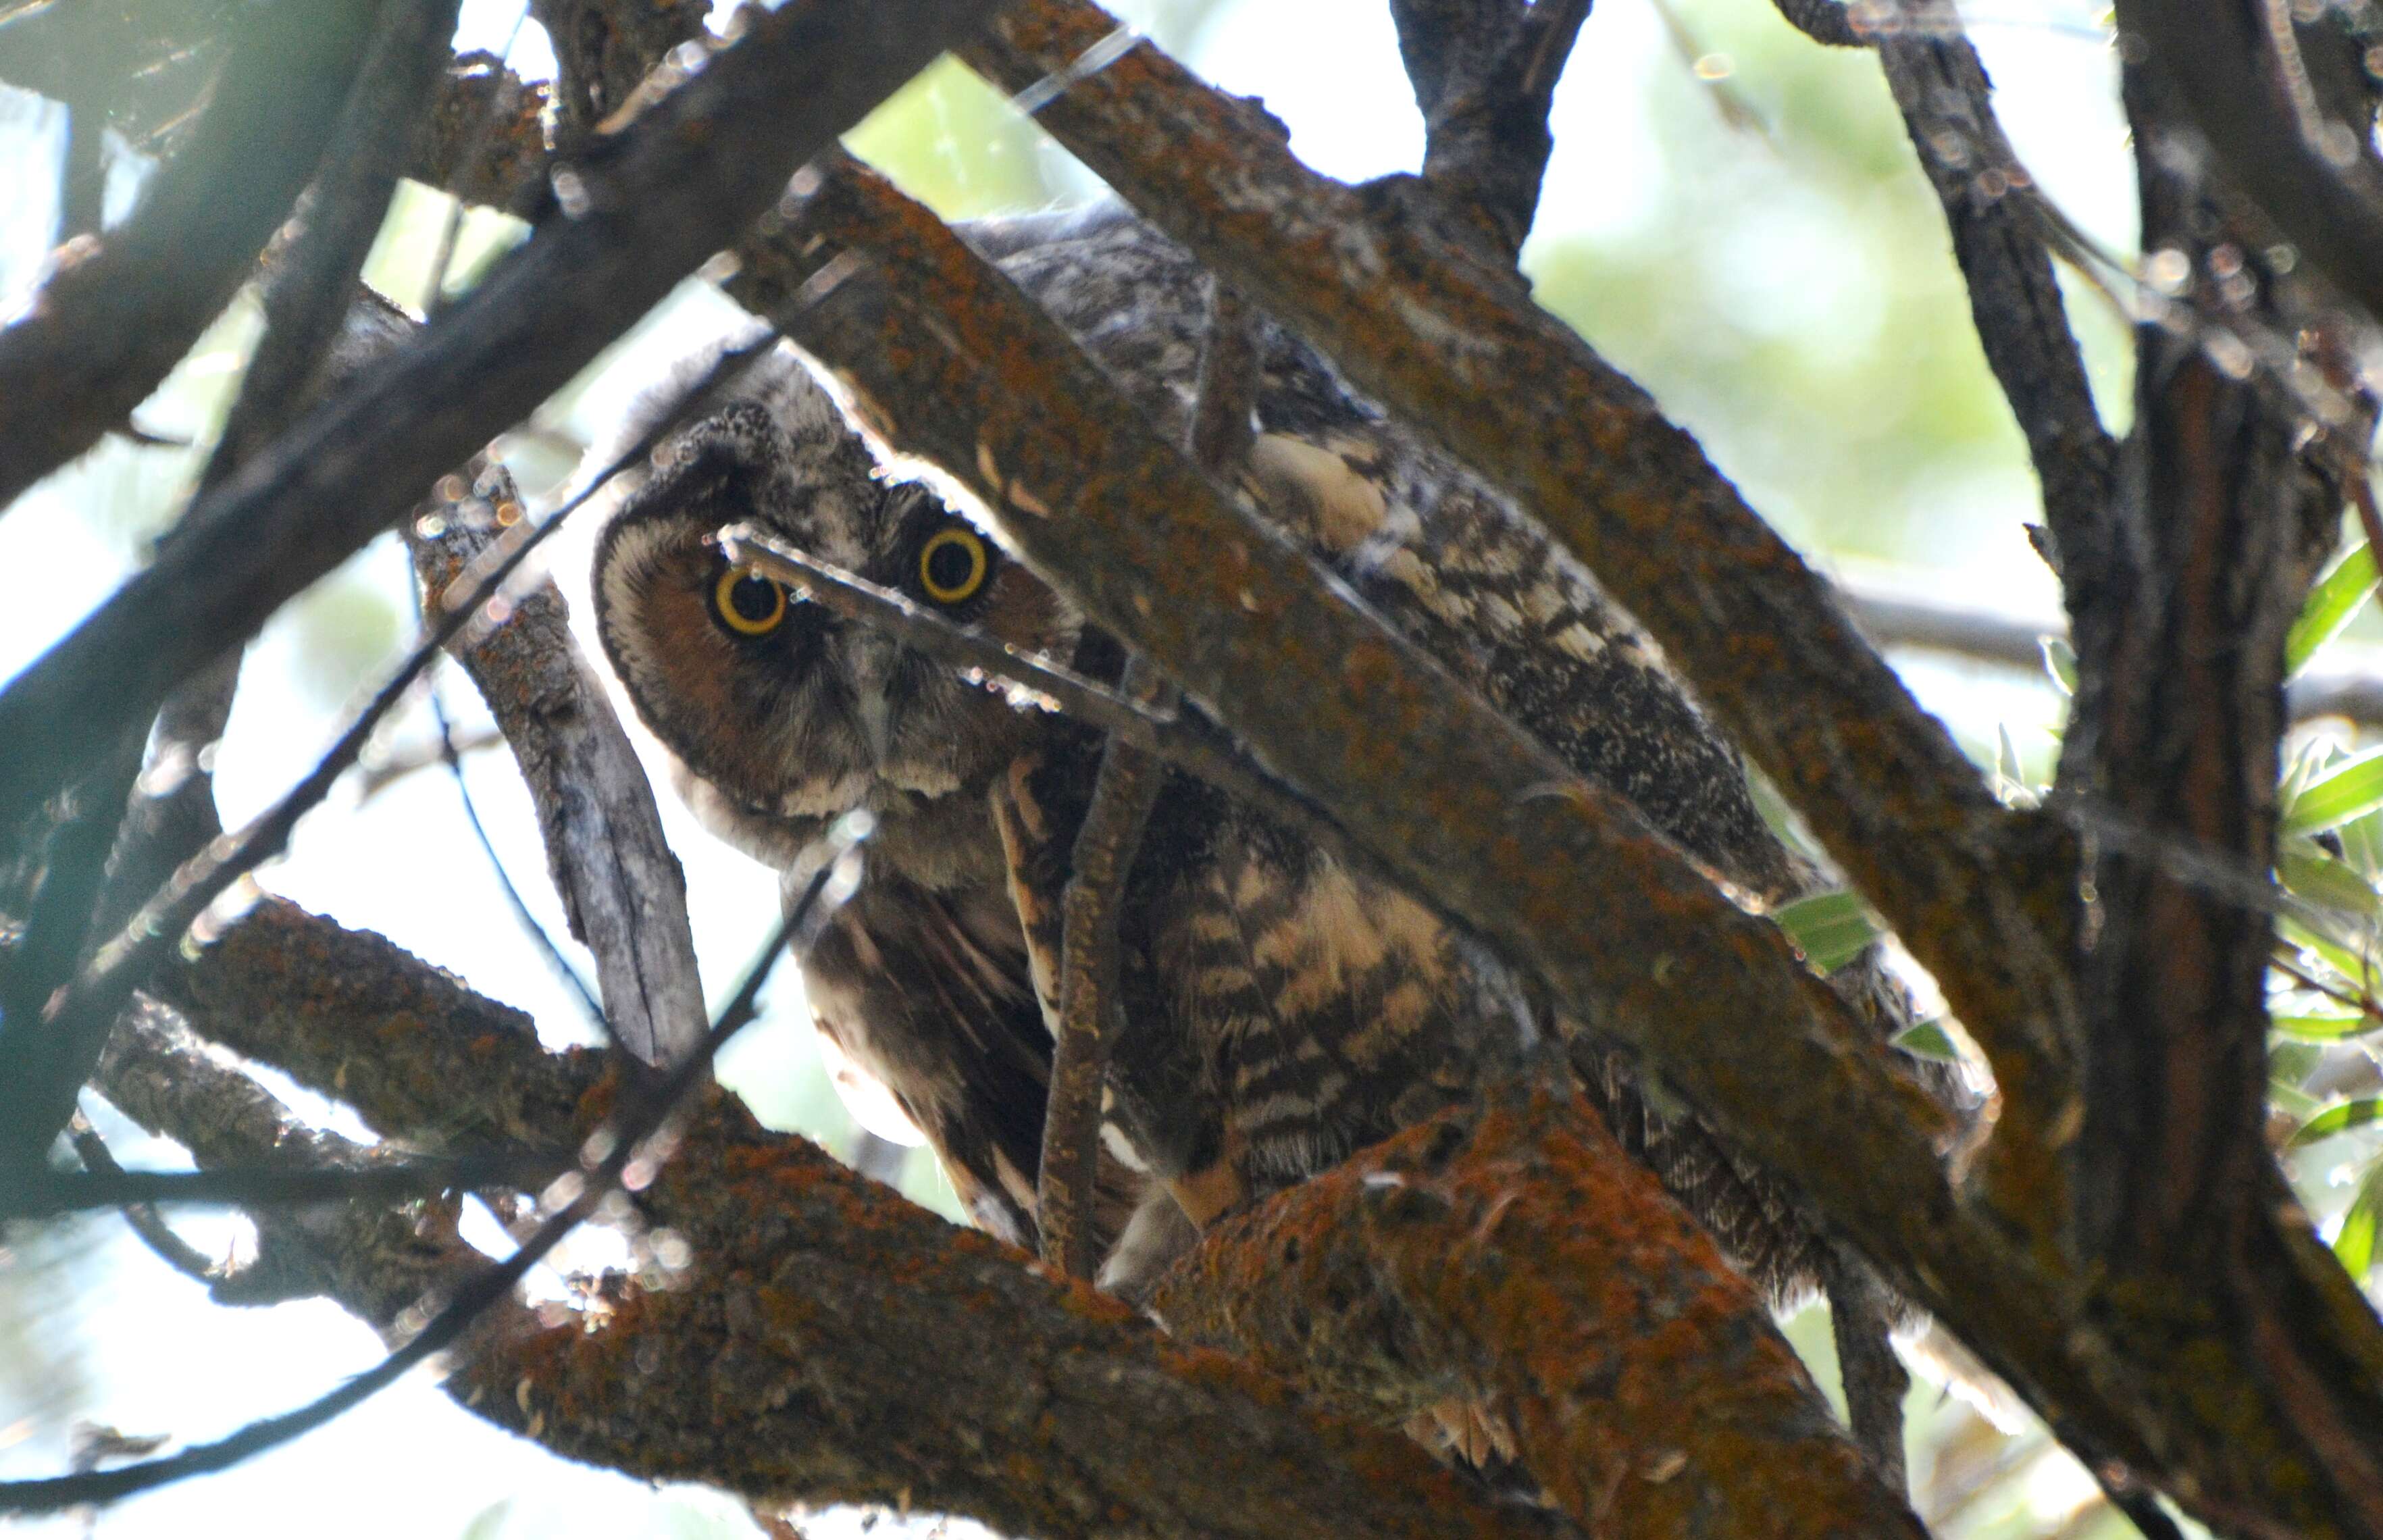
{"x":1180,"y":739}
{"x":1218,"y":438}
{"x":633,"y":1138}
{"x":1090,"y":1011}
{"x":146,"y":1222}
{"x":559,"y":965}
{"x":110,"y":1185}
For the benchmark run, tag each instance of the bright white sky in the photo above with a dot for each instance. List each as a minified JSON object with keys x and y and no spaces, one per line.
{"x":148,"y":1351}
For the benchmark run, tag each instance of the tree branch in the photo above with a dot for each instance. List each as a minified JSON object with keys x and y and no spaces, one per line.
{"x":2224,"y":66}
{"x":486,"y":141}
{"x":952,"y":364}
{"x":1447,"y":795}
{"x":1948,"y":112}
{"x":164,"y":818}
{"x":982,"y":1385}
{"x":1485,"y":73}
{"x":1878,"y":780}
{"x":815,"y":1381}
{"x":1512,"y":1255}
{"x":622,"y":891}
{"x":113,"y":319}
{"x":640,"y":211}
{"x":424,"y":1060}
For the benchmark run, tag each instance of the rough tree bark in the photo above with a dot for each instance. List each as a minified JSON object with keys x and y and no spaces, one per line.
{"x":2124,"y":1250}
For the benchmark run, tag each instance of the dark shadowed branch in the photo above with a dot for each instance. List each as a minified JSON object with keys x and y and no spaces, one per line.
{"x":2323,"y":189}
{"x":145,"y":1220}
{"x":169,"y":813}
{"x":638,"y":213}
{"x":1484,"y":72}
{"x":111,"y":321}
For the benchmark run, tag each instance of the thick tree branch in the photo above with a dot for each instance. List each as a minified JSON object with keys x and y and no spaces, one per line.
{"x":640,"y":211}
{"x":980,"y":1385}
{"x":111,"y":321}
{"x":1511,"y":1255}
{"x":1586,"y":449}
{"x":1484,"y":72}
{"x":953,"y":363}
{"x":1445,"y":792}
{"x":422,"y":1058}
{"x":2222,"y":58}
{"x":622,"y":891}
{"x":815,"y":1381}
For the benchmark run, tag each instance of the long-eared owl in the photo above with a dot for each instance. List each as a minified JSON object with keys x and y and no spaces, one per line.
{"x":1282,"y":1007}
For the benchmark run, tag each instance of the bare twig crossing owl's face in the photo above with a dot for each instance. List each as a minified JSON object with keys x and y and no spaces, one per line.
{"x":781,"y":709}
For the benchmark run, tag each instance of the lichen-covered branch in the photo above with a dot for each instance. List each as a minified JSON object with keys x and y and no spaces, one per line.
{"x":1447,"y":793}
{"x":421,"y":1057}
{"x":485,"y":142}
{"x":830,"y":1342}
{"x":1440,"y":338}
{"x":622,"y":892}
{"x":953,"y":363}
{"x":834,"y":1343}
{"x":1512,"y":1255}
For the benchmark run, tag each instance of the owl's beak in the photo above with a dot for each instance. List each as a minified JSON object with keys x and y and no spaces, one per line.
{"x":870,"y":659}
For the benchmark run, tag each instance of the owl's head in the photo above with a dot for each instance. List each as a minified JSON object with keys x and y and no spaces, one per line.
{"x":780,"y":711}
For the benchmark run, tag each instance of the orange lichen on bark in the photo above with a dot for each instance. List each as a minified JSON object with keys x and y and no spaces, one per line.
{"x":833,"y":1342}
{"x":1511,"y":1255}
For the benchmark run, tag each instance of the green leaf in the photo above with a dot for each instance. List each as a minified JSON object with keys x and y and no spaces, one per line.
{"x":2291,"y":1101}
{"x":2354,"y":1243}
{"x":1927,"y":1040}
{"x":2348,"y":789}
{"x":2339,"y":958}
{"x":2331,"y":605}
{"x":2339,"y":1119}
{"x":2322,"y":1028}
{"x":1830,"y":929}
{"x":2327,"y":884}
{"x":2291,"y":1064}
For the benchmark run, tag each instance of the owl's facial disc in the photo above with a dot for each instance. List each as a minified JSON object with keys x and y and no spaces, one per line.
{"x":783,"y":707}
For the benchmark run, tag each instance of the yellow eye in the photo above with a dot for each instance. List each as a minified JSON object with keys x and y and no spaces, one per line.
{"x":952,"y":564}
{"x":748,"y":603}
